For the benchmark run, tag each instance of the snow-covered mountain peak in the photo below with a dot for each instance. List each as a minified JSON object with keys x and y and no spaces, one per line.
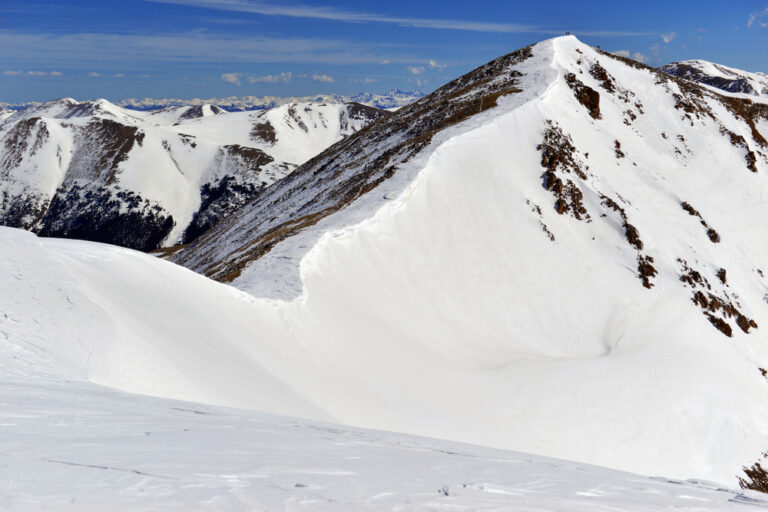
{"x":560,"y":217}
{"x":725,"y":78}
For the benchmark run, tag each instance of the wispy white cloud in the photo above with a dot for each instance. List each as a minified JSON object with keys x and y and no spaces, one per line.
{"x":385,"y":62}
{"x":668,"y":37}
{"x":334,"y":14}
{"x":366,"y":80}
{"x":80,"y":49}
{"x":231,"y":78}
{"x":33,"y":73}
{"x":323,"y":78}
{"x":223,"y":21}
{"x":119,"y":75}
{"x":629,"y":55}
{"x":331,"y":13}
{"x":759,"y":18}
{"x":436,"y":65}
{"x":282,"y":77}
{"x":94,"y":74}
{"x":415,"y":70}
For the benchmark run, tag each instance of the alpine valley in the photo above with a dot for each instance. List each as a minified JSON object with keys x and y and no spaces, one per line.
{"x":559,"y":253}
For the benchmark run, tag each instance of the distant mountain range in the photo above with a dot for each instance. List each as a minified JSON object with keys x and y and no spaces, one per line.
{"x":394,"y":98}
{"x":96,"y":171}
{"x":720,"y":77}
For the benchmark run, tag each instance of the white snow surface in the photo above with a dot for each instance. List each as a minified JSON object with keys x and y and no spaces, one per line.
{"x":69,"y":445}
{"x":72,"y":446}
{"x":438,"y":306}
{"x":74,"y":309}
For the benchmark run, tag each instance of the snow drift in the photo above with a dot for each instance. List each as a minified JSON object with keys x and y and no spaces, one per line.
{"x":74,"y":446}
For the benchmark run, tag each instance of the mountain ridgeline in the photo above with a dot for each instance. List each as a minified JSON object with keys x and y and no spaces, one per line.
{"x":560,"y":201}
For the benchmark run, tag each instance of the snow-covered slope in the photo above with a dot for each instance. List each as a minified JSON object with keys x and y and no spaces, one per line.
{"x":558,"y":253}
{"x":5,"y":112}
{"x":73,"y":446}
{"x":96,"y":171}
{"x":721,"y":77}
{"x":561,"y":240}
{"x":74,"y":311}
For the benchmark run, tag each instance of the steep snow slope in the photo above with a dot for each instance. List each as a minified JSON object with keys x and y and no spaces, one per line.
{"x":69,"y":445}
{"x":96,"y":171}
{"x":585,"y":252}
{"x":721,"y":77}
{"x":535,"y":257}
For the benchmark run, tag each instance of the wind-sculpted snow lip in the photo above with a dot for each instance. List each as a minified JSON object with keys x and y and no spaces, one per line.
{"x":327,"y":184}
{"x":350,"y":169}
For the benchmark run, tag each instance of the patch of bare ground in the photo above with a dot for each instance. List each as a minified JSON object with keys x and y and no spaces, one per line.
{"x":167,"y":252}
{"x":599,"y":73}
{"x":740,"y":142}
{"x":537,"y":210}
{"x":617,"y":148}
{"x":188,"y":139}
{"x":586,"y":95}
{"x":713,"y":235}
{"x":718,"y":307}
{"x":645,"y":269}
{"x":28,"y":134}
{"x":755,"y":477}
{"x":263,"y":132}
{"x":111,"y":142}
{"x":559,"y":156}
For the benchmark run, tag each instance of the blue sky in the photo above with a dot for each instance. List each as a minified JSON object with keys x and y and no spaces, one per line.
{"x":117,"y":49}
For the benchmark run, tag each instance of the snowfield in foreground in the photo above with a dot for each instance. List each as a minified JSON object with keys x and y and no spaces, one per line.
{"x":69,"y":445}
